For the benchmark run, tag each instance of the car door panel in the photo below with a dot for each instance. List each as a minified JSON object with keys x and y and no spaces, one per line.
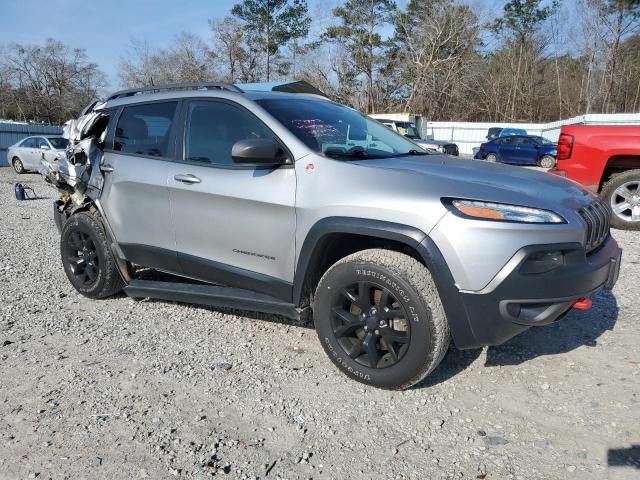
{"x":135,"y":197}
{"x":236,"y":224}
{"x":31,"y":152}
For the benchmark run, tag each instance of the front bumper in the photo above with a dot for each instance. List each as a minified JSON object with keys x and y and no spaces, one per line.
{"x":517,"y":301}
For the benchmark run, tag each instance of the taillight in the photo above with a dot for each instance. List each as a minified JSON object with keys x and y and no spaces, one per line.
{"x":482,"y":145}
{"x":565,"y":146}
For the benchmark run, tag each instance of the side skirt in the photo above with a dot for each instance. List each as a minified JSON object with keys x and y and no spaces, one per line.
{"x":214,"y":296}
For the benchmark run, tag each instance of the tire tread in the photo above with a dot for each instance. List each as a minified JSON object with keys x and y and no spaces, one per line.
{"x":419,"y":277}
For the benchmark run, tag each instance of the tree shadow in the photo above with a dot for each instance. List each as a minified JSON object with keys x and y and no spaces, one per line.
{"x":624,"y":457}
{"x":577,"y":329}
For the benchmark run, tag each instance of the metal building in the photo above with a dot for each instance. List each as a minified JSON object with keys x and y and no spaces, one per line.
{"x":11,"y":133}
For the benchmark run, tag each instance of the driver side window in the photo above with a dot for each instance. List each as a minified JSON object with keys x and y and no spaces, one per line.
{"x":212,"y":128}
{"x":41,"y":142}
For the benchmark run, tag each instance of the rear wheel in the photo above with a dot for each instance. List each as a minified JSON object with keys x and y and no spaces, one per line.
{"x":622,"y":194}
{"x":491,"y":157}
{"x":17,"y":165}
{"x":87,"y":258}
{"x":547,"y":161}
{"x":379,"y":318}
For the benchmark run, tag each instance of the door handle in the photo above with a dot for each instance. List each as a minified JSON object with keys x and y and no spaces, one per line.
{"x":106,"y":168}
{"x":187,"y":178}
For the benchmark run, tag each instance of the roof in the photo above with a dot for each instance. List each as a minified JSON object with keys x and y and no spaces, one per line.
{"x":211,"y":89}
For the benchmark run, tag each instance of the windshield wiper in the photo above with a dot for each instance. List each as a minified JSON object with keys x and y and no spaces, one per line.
{"x":358,"y":154}
{"x":412,"y":152}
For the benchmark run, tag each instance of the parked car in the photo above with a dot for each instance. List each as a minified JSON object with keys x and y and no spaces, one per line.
{"x":505,"y":132}
{"x":519,"y":150}
{"x":27,"y":153}
{"x":606,"y":160}
{"x":409,"y":130}
{"x":495,"y":132}
{"x":282,"y":202}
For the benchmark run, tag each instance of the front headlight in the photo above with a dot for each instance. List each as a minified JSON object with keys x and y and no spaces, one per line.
{"x":502,"y":212}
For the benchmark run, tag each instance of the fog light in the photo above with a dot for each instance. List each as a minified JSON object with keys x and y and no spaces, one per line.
{"x":542,"y":262}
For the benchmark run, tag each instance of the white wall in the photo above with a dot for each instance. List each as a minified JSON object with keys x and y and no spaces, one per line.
{"x":471,"y":134}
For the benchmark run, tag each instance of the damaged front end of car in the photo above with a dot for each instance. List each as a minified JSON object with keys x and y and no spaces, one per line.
{"x":76,"y":174}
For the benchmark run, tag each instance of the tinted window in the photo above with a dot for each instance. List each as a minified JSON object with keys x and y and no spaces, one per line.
{"x":213,"y":128}
{"x":59,"y":143}
{"x":145,"y":129}
{"x":29,"y":143}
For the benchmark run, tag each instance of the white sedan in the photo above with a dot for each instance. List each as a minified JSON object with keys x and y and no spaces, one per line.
{"x":27,"y":153}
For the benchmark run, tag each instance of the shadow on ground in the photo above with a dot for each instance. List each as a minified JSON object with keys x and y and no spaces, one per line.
{"x":624,"y":457}
{"x":577,"y":329}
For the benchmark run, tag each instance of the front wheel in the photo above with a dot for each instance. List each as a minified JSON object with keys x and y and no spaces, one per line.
{"x":17,"y":165}
{"x":380,"y":319}
{"x":547,"y":161}
{"x":491,"y":158}
{"x":87,"y":259}
{"x":622,"y":193}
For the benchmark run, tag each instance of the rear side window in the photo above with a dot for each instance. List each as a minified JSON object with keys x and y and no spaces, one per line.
{"x":145,"y":129}
{"x":212,"y":129}
{"x":29,"y":143}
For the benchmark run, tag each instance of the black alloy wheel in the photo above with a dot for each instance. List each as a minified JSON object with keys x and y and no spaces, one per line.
{"x":370,"y":324}
{"x":82,"y":256}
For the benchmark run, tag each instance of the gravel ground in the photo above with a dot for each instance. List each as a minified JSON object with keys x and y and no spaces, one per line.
{"x":148,"y":389}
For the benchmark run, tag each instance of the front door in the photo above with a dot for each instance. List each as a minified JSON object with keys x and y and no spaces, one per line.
{"x":234,"y":224}
{"x":31,"y":154}
{"x":135,"y":198}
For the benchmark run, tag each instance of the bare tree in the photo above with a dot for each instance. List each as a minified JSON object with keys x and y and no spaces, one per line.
{"x":48,"y":83}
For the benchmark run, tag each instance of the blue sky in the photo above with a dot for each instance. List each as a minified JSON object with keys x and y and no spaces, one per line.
{"x":104,"y":28}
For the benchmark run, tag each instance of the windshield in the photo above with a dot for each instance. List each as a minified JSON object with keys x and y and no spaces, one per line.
{"x":338,"y":131}
{"x":59,"y":143}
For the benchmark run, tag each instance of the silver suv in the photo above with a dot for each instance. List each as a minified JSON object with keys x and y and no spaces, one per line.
{"x":286,"y":203}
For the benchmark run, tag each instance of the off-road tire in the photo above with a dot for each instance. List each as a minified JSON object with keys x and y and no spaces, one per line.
{"x":18,"y":166}
{"x":491,"y":157}
{"x":410,"y":282}
{"x":88,"y":225}
{"x":547,"y":161}
{"x":608,"y":190}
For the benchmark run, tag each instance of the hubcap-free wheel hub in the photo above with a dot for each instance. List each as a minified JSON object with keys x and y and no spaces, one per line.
{"x":370,"y":325}
{"x":625,"y":201}
{"x":82,"y":257}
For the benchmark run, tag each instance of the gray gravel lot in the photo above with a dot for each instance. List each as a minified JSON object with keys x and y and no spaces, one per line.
{"x":148,"y":389}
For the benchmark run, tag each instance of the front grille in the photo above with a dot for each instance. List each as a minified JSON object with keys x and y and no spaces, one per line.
{"x":596,"y":217}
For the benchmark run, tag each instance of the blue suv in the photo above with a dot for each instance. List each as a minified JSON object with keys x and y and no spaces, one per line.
{"x":519,"y":150}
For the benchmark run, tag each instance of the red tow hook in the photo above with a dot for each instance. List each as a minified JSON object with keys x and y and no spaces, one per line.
{"x":582,"y":304}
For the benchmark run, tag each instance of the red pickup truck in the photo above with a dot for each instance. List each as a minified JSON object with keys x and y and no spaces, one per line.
{"x":605,"y":159}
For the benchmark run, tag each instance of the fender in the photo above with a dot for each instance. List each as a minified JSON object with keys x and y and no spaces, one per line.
{"x":314,"y":243}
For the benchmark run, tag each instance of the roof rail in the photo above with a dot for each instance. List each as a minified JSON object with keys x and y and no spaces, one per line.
{"x":176,"y":86}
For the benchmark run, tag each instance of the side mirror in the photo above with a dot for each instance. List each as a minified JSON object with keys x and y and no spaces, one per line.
{"x":45,"y":147}
{"x":258,"y":151}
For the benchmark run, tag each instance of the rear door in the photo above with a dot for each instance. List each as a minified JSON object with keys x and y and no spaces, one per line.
{"x":135,"y":198}
{"x":234,"y":224}
{"x":507,"y":151}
